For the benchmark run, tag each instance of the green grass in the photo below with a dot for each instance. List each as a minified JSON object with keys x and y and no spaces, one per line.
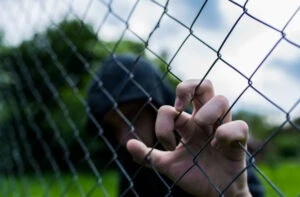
{"x":66,"y":185}
{"x":285,"y":176}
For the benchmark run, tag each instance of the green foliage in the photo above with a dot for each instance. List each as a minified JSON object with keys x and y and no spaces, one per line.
{"x":100,"y":50}
{"x":103,"y":49}
{"x":165,"y":69}
{"x":283,"y":145}
{"x":52,"y":71}
{"x":1,"y":38}
{"x":258,"y":125}
{"x":288,"y":146}
{"x":4,"y":113}
{"x":286,"y":143}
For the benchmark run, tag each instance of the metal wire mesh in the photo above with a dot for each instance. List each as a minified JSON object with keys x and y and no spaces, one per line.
{"x":51,"y":50}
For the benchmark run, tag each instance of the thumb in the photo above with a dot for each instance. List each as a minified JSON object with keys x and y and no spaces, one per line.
{"x":146,"y":156}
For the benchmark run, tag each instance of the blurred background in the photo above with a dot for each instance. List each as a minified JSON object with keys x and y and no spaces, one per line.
{"x":50,"y":50}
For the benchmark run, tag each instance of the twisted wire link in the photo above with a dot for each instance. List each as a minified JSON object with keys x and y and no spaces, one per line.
{"x":18,"y":149}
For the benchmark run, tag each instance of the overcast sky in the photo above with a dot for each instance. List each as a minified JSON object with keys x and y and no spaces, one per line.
{"x":278,"y":78}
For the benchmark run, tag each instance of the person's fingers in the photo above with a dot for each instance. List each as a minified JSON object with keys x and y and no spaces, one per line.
{"x":229,"y":136}
{"x":146,"y":156}
{"x":190,"y":90}
{"x":167,"y":120}
{"x":213,"y":111}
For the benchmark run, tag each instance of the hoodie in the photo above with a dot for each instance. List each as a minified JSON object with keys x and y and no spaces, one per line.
{"x":129,"y":78}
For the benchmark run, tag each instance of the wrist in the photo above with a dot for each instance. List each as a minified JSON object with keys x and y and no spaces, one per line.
{"x":243,"y":193}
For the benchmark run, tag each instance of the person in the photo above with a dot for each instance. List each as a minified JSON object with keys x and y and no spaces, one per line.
{"x":199,"y":153}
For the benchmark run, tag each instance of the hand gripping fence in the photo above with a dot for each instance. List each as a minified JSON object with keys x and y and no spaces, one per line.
{"x":53,"y":142}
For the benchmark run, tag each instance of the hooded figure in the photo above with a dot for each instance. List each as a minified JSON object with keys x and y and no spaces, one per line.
{"x":128,"y":79}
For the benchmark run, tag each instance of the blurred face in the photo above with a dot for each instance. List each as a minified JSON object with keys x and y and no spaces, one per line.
{"x":137,"y":122}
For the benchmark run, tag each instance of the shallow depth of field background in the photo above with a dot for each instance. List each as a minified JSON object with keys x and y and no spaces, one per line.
{"x":49,"y":51}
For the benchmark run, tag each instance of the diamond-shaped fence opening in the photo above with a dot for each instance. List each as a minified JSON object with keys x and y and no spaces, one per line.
{"x":79,"y":79}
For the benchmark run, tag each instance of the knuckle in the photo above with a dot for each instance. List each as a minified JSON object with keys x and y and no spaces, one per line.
{"x":181,"y":87}
{"x":189,"y":84}
{"x":200,"y":121}
{"x":164,"y":120}
{"x":205,"y":86}
{"x":164,"y":109}
{"x":208,"y":84}
{"x":222,"y":100}
{"x":243,"y":127}
{"x":221,"y":133}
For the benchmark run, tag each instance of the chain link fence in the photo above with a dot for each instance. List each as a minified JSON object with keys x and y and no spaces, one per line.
{"x":53,"y":142}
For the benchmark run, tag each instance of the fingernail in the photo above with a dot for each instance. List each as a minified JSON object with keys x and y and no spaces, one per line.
{"x":214,"y":143}
{"x":178,"y":104}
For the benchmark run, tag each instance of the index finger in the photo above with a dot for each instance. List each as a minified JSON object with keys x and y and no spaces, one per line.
{"x":193,"y":90}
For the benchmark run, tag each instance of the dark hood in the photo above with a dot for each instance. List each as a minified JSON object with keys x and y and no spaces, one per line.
{"x":130,"y":78}
{"x":127,"y":78}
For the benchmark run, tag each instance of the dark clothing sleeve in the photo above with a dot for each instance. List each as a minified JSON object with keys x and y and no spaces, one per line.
{"x":128,"y":78}
{"x":255,"y":185}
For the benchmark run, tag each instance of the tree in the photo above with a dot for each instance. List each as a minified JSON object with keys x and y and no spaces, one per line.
{"x":50,"y":75}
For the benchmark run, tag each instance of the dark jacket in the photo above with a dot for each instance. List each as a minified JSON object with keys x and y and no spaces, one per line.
{"x":131,"y":78}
